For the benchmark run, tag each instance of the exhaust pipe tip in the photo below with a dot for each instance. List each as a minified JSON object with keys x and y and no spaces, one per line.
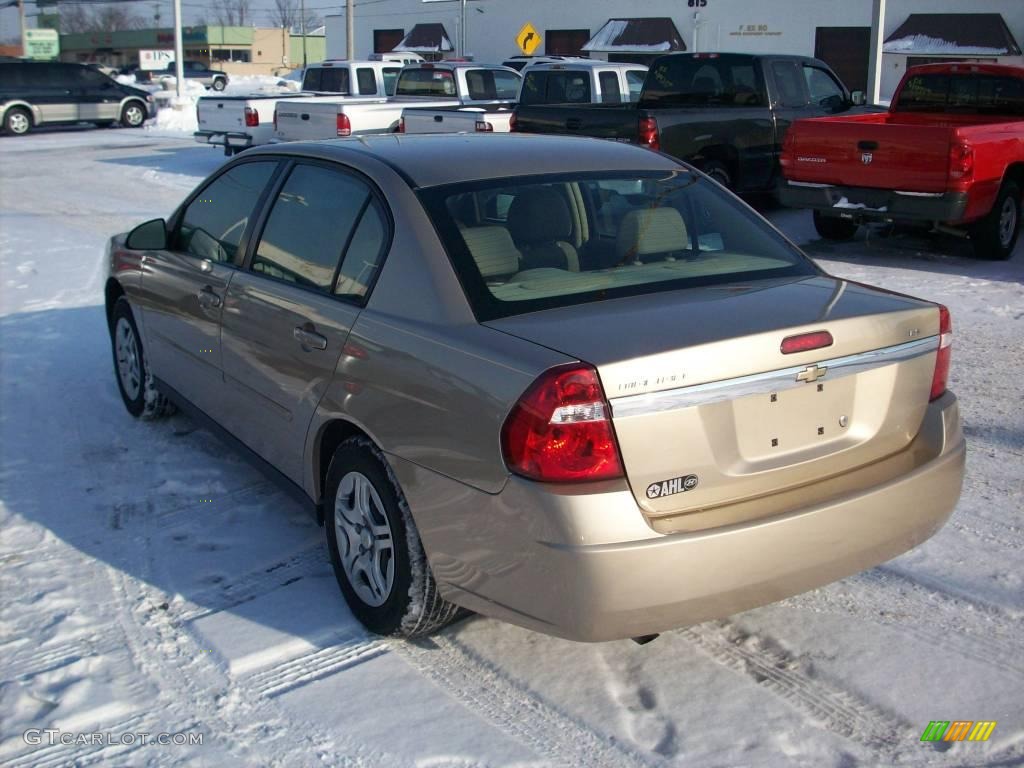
{"x":645,"y":639}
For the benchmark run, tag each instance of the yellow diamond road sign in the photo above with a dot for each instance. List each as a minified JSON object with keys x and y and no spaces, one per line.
{"x":528,"y":39}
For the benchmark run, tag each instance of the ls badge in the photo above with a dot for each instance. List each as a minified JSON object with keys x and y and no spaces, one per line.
{"x":671,"y":487}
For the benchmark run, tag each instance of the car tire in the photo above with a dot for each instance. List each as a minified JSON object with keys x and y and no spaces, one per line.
{"x":138,"y":390}
{"x":17,"y":121}
{"x":834,"y":228}
{"x":375,"y":548}
{"x":719,"y":172}
{"x":133,"y":115}
{"x":219,"y":84}
{"x":995,"y":236}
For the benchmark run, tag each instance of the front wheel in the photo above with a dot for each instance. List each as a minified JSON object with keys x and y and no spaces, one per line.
{"x":833,"y":227}
{"x":133,"y":115}
{"x":995,"y":236}
{"x":138,"y":390}
{"x":375,"y":549}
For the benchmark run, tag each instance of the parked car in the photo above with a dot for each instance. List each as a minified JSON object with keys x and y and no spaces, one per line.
{"x":239,"y":122}
{"x":103,"y":68}
{"x":34,"y":93}
{"x":193,"y":70}
{"x":583,"y":81}
{"x":429,"y":85}
{"x":571,"y":384}
{"x":518,"y":63}
{"x":949,"y":152}
{"x":726,"y":113}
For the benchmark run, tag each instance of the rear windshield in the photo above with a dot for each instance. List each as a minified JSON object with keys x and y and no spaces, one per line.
{"x":326,"y":79}
{"x":545,"y":242}
{"x":555,"y":87}
{"x":426,"y":82}
{"x":968,"y":92}
{"x":722,"y":81}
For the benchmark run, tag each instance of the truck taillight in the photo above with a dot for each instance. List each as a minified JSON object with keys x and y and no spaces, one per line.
{"x":961,"y":162}
{"x":252,"y":117}
{"x":647,"y":133}
{"x":482,"y":126}
{"x":560,"y":430}
{"x":343,"y":124}
{"x":942,"y":358}
{"x":788,"y":144}
{"x":401,"y":125}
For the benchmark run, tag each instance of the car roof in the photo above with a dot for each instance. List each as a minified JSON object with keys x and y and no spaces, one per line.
{"x":428,"y":160}
{"x":567,"y":64}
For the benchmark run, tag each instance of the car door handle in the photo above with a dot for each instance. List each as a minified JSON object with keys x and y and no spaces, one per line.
{"x":438,"y":118}
{"x":309,"y":339}
{"x":208,"y":299}
{"x":304,"y":116}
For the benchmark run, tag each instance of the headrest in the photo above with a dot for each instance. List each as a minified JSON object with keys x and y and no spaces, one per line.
{"x":539,"y":215}
{"x":650,"y":230}
{"x":492,"y":249}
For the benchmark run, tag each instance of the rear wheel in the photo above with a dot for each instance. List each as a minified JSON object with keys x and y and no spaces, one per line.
{"x":138,"y":390}
{"x":833,"y":227}
{"x":375,"y":549}
{"x":17,"y":121}
{"x":719,"y":172}
{"x":995,"y":236}
{"x":133,"y":115}
{"x":219,"y":83}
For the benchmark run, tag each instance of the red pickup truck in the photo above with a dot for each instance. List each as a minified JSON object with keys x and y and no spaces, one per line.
{"x":950,"y":151}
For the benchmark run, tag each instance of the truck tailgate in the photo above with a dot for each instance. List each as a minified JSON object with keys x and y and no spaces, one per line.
{"x":614,"y":121}
{"x":873,"y":150}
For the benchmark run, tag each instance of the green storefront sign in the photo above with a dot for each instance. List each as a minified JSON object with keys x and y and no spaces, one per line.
{"x":42,"y":43}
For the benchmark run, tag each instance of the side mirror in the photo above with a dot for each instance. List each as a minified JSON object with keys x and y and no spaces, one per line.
{"x":148,"y":236}
{"x":859,"y":98}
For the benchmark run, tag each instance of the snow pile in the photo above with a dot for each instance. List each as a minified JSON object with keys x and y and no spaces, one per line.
{"x":175,"y":116}
{"x":920,"y":44}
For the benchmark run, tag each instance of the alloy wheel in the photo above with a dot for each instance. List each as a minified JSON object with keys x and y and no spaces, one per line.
{"x":365,"y":543}
{"x":127,"y":348}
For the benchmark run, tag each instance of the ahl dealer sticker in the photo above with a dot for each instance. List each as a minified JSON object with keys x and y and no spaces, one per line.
{"x":670,"y":487}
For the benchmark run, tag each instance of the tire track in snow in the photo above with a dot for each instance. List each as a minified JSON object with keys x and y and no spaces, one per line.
{"x":514,"y":709}
{"x":49,"y":658}
{"x":837,"y":709}
{"x":988,"y":530}
{"x":296,"y":672}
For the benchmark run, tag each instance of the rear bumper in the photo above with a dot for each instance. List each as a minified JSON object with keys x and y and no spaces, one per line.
{"x":224,"y":138}
{"x":865,"y":204}
{"x":586,"y":566}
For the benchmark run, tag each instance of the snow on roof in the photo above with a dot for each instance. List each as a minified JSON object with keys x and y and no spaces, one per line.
{"x":984,"y":34}
{"x":636,"y":35}
{"x":426,"y":38}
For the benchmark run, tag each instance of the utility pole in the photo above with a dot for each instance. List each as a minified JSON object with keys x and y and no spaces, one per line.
{"x":179,"y":52}
{"x":350,"y":29}
{"x":462,"y":29}
{"x":302,"y":27}
{"x":21,"y":19}
{"x":875,"y":64}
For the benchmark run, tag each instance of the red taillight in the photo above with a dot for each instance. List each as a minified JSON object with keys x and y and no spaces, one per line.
{"x":647,"y":133}
{"x":512,"y":126}
{"x":482,"y":126}
{"x":961,"y":163}
{"x":401,"y":125}
{"x":941,"y":374}
{"x":788,"y":144}
{"x":344,"y":125}
{"x":560,"y":430}
{"x":252,"y":117}
{"x":805,"y":342}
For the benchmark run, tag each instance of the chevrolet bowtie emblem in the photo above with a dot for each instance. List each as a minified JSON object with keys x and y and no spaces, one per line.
{"x":811,"y":374}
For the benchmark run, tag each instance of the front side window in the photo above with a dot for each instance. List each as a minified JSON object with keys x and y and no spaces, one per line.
{"x":635,"y":80}
{"x":823,"y":89}
{"x":212,"y":225}
{"x":309,"y":225}
{"x":367,"y":81}
{"x":788,"y":84}
{"x":550,"y":242}
{"x":390,"y":75}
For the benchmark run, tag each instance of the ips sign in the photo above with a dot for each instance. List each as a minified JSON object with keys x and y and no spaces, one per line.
{"x":42,"y":44}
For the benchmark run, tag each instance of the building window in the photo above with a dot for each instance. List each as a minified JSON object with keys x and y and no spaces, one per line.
{"x":231,"y":54}
{"x":385,"y":40}
{"x":565,"y":42}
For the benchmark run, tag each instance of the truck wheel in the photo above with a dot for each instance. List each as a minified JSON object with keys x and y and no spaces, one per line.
{"x":133,"y":115}
{"x":138,"y":391}
{"x":219,"y":83}
{"x":719,"y":172}
{"x":995,"y":235}
{"x":17,"y":121}
{"x":834,"y":228}
{"x":375,"y":549}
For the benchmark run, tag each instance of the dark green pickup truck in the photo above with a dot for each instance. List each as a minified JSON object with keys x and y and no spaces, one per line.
{"x":725,"y":113}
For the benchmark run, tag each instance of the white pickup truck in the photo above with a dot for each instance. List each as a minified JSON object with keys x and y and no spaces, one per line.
{"x":440,"y":84}
{"x":580,"y":81}
{"x":496,"y":119}
{"x":238,"y":122}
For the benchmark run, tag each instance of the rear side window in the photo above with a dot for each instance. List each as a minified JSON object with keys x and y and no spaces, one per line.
{"x":609,"y":82}
{"x":364,"y":254}
{"x":367,"y":81}
{"x":426,"y":82}
{"x":723,"y":81}
{"x":524,"y":245}
{"x":969,"y":92}
{"x":307,"y":230}
{"x":390,"y":75}
{"x":555,"y":87}
{"x":212,"y":224}
{"x":12,"y":75}
{"x":492,"y":85}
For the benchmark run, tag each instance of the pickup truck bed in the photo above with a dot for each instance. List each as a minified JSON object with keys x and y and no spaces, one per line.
{"x":238,"y":122}
{"x":483,"y":119}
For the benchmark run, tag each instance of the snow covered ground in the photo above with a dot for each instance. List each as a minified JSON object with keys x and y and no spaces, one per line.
{"x":151,"y":582}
